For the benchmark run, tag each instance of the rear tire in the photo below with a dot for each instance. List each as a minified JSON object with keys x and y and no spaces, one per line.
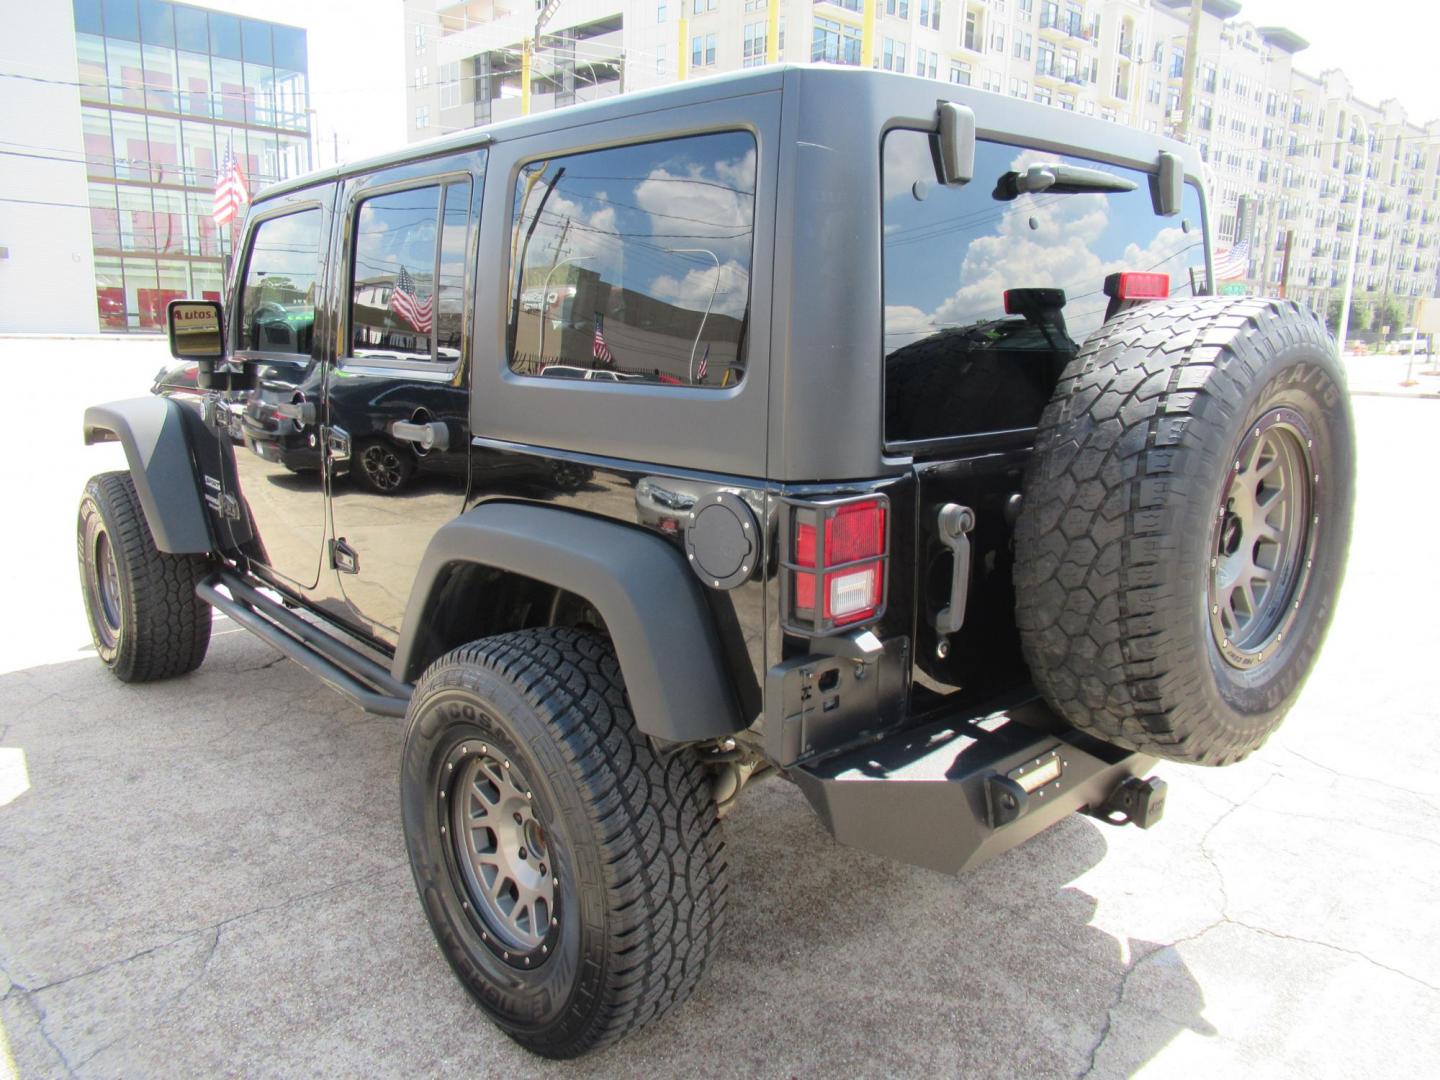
{"x":1195,"y":454}
{"x":145,"y":619}
{"x":532,"y":733}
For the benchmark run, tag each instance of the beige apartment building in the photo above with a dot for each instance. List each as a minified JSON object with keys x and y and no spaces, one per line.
{"x":1285,"y":148}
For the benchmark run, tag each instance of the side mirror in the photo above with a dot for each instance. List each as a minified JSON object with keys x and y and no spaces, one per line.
{"x":196,"y":329}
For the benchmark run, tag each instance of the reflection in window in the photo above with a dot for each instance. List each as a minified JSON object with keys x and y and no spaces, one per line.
{"x":277,"y":304}
{"x":956,"y":361}
{"x":408,"y":292}
{"x":632,"y":265}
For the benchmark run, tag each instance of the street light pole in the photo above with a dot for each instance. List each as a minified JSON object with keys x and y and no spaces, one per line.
{"x":1354,"y":242}
{"x":713,"y":293}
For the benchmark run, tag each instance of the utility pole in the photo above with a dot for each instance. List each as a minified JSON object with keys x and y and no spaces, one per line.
{"x":1187,"y":83}
{"x":772,"y":33}
{"x":682,"y":57}
{"x":1285,"y":265}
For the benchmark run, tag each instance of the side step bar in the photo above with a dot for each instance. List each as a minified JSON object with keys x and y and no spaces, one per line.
{"x":362,"y":680}
{"x":958,"y":791}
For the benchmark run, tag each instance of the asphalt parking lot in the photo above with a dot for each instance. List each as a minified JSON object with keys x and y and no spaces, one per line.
{"x":207,"y":878}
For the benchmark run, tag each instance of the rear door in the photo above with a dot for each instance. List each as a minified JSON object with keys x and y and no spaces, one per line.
{"x":279,"y":326}
{"x":986,"y":300}
{"x":397,"y":394}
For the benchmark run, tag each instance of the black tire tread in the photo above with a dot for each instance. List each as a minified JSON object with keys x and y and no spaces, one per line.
{"x":167,"y":626}
{"x":653,"y":819}
{"x":1102,"y":513}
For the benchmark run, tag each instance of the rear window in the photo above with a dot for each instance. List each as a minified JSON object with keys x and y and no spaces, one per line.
{"x":632,"y":265}
{"x":955,"y":362}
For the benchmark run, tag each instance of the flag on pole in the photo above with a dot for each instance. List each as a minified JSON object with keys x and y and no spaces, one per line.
{"x":418,"y":314}
{"x":599,"y":349}
{"x":1233,"y":263}
{"x":704,"y":365}
{"x":230,"y":191}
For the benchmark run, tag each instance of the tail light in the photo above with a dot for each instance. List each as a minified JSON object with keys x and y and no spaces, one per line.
{"x":834,"y":569}
{"x":1132,"y":285}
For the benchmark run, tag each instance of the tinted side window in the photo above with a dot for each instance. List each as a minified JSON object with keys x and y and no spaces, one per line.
{"x":634,"y":263}
{"x":956,"y":362}
{"x":408,"y":275}
{"x":282,"y":277}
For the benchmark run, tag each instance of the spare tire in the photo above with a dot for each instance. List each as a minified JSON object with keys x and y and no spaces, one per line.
{"x":1185,"y":524}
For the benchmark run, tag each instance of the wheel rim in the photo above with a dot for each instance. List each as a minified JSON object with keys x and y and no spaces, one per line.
{"x":107,"y":588}
{"x":505,"y":855}
{"x":1263,"y":538}
{"x":382,"y":467}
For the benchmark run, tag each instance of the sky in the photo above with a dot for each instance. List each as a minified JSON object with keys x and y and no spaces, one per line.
{"x":357,"y":69}
{"x":1386,"y":47}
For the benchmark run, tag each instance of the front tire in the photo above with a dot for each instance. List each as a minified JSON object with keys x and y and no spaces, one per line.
{"x":145,"y":619}
{"x":1185,"y":525}
{"x":532,"y":733}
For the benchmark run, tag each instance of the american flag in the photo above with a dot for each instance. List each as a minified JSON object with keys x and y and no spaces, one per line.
{"x":419,"y":314}
{"x":230,"y":191}
{"x":600,"y":350}
{"x":1233,"y":263}
{"x":704,"y":364}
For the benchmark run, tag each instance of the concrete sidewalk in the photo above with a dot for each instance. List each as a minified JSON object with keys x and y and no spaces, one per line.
{"x":1393,"y":376}
{"x":207,"y":877}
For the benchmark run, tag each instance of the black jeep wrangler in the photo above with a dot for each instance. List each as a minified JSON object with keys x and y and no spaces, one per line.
{"x":874,"y":433}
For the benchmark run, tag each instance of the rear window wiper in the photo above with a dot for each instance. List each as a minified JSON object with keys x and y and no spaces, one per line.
{"x":1059,"y":180}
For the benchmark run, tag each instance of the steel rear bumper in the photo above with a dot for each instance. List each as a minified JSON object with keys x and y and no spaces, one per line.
{"x":957,"y":792}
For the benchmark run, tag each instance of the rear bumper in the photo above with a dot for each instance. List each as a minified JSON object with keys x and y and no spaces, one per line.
{"x":952,"y":794}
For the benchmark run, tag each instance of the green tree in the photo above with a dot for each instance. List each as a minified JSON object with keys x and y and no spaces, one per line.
{"x":1387,"y":313}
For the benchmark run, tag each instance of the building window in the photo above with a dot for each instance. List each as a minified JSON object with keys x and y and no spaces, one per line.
{"x":422,"y":77}
{"x":631,"y":284}
{"x":450,"y":85}
{"x":422,"y":117}
{"x":926,"y":63}
{"x":973,"y":37}
{"x":835,"y":42}
{"x":662,"y":58}
{"x":753,"y":53}
{"x":659,"y":13}
{"x":702,"y":50}
{"x":930,"y":14}
{"x":893,"y":54}
{"x":702,"y":6}
{"x":960,"y":73}
{"x":419,"y":40}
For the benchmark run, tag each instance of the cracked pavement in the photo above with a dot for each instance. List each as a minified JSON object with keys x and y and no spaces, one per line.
{"x":207,"y":877}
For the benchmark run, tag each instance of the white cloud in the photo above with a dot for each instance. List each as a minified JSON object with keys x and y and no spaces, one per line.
{"x":695,"y":289}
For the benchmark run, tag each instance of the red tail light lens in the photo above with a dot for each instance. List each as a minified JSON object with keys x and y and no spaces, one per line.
{"x":852,"y":575}
{"x":1137,"y":286}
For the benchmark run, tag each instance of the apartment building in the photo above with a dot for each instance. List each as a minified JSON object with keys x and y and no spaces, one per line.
{"x":1285,"y":149}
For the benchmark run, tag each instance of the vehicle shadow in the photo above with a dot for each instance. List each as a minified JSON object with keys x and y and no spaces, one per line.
{"x":832,"y":961}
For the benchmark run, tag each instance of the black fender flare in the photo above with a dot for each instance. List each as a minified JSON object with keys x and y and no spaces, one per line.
{"x":664,"y":636}
{"x":157,"y":447}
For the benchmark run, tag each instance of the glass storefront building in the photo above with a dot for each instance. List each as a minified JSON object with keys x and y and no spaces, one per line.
{"x":165,"y":90}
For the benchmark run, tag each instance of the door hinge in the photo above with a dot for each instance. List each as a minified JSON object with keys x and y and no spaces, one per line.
{"x":343,"y":557}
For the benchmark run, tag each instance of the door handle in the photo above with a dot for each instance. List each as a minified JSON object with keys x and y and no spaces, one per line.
{"x":431,"y":436}
{"x":337,"y":444}
{"x":955,"y":523}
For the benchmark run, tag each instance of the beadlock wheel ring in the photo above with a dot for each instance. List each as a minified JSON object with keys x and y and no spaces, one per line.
{"x":502,"y":855}
{"x":1263,"y":539}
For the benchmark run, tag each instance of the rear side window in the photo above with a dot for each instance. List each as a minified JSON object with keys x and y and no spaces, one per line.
{"x":282,"y":277}
{"x":956,"y":363}
{"x":632,"y":265}
{"x":408,"y":275}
